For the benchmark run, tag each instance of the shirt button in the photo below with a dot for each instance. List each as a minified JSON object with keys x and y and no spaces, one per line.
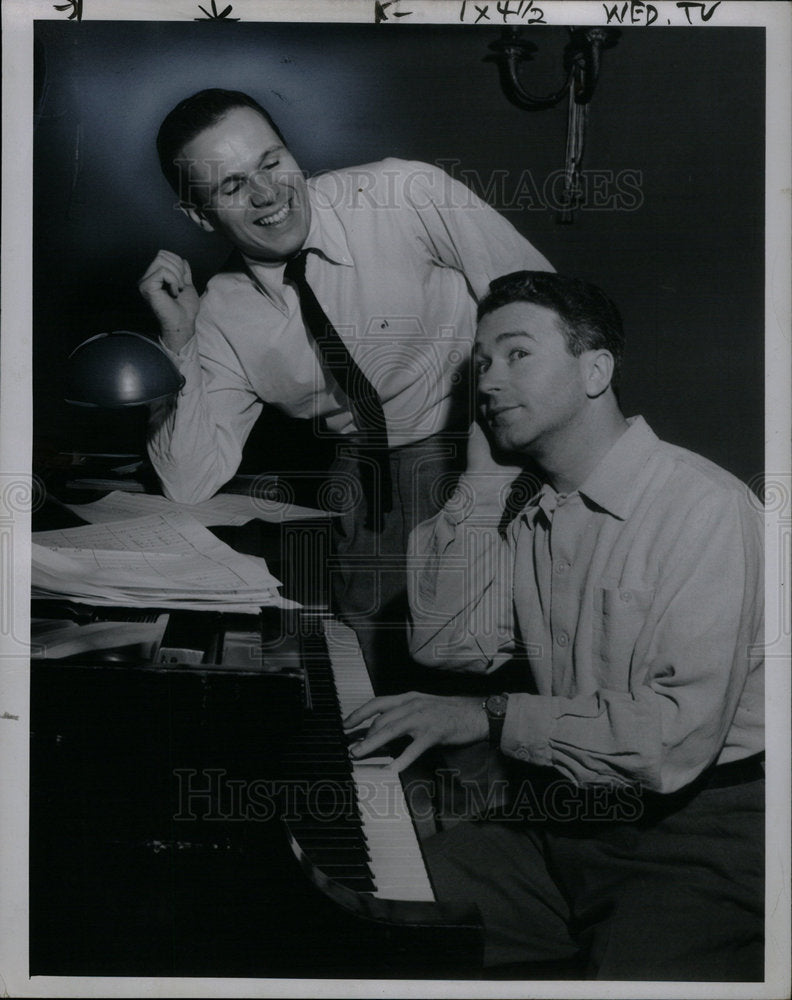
{"x":562,"y":639}
{"x":626,"y":596}
{"x":561,"y":567}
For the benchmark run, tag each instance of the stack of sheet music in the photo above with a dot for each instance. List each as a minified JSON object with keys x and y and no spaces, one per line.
{"x":223,"y":508}
{"x":158,"y":561}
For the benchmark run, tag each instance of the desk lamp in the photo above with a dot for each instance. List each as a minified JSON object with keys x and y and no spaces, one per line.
{"x":120,"y":369}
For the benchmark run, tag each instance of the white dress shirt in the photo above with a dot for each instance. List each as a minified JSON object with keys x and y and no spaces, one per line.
{"x":403,"y":253}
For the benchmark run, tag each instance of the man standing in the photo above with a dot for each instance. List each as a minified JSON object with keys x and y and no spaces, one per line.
{"x":630,"y":588}
{"x":350,"y":300}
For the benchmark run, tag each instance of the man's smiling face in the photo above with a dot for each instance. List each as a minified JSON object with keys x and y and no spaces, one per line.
{"x":247,"y":186}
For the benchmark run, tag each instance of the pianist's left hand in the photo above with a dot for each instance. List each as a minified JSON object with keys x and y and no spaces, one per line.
{"x":429,"y":719}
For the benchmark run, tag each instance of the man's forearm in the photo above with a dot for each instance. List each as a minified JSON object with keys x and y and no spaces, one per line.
{"x":176,"y":338}
{"x":191,"y":455}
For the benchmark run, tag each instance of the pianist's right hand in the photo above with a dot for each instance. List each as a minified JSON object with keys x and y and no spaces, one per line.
{"x":428,"y":719}
{"x":168,"y":289}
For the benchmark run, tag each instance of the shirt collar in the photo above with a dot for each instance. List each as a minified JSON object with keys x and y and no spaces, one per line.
{"x":325,"y":236}
{"x":610,"y":485}
{"x":544,"y":501}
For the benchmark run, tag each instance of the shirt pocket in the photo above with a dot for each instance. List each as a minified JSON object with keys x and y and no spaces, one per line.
{"x":619,"y":615}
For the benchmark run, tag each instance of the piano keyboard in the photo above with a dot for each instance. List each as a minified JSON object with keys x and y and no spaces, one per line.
{"x":376,"y":850}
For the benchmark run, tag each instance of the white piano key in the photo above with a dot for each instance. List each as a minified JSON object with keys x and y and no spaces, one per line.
{"x":396,"y":859}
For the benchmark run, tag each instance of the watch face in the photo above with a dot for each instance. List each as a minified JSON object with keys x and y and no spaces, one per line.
{"x":496,"y":705}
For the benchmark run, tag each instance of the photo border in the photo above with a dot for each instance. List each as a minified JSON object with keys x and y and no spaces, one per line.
{"x":18,"y":490}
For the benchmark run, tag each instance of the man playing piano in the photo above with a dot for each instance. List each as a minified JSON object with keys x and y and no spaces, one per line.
{"x":629,"y":587}
{"x":349,"y":299}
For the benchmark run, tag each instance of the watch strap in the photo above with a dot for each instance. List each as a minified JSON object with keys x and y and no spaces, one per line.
{"x":495,"y":709}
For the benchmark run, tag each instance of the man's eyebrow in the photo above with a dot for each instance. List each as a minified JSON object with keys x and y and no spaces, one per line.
{"x":240,"y":174}
{"x":509,"y":334}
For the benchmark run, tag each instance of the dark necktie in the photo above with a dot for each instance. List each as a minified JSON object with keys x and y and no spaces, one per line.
{"x":363,"y":399}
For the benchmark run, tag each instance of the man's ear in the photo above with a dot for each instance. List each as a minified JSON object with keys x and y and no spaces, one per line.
{"x":599,"y":372}
{"x":196,"y":215}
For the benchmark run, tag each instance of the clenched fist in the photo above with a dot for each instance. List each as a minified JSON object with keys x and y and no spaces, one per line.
{"x":167,"y":287}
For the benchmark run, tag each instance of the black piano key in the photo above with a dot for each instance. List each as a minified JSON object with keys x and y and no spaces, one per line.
{"x":314,"y":837}
{"x":319,"y":838}
{"x":318,"y":771}
{"x":351,"y":871}
{"x":341,"y":854}
{"x":351,"y":868}
{"x":318,"y":756}
{"x":308,"y":827}
{"x":309,"y":756}
{"x":357,"y":884}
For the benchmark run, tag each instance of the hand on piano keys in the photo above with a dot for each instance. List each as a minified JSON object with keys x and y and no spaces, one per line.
{"x":394,"y":864}
{"x":385,"y":754}
{"x":428,"y":720}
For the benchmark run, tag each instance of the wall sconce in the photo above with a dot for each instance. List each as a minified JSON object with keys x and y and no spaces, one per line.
{"x":582,"y":61}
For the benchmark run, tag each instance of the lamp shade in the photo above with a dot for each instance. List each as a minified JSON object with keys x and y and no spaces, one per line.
{"x":113,"y":370}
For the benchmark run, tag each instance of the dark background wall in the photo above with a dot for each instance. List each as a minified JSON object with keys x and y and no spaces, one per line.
{"x":672,"y":225}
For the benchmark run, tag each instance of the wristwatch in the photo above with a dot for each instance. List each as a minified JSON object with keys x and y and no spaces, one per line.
{"x":495,"y":707}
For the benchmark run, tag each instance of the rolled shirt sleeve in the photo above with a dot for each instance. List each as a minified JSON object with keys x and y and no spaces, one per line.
{"x":695,"y":658}
{"x":195,"y":441}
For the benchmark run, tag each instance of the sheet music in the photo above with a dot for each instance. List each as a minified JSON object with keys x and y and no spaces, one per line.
{"x":163,"y":560}
{"x":224,"y":508}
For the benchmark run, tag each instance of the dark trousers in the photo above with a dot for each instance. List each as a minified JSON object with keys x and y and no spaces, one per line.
{"x":674,"y":893}
{"x":368,"y":570}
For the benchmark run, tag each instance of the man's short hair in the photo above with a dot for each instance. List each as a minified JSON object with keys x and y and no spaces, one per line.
{"x":589,"y":320}
{"x":189,"y":118}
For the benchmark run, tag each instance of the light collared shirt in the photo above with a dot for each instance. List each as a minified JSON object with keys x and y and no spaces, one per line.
{"x":636,"y":602}
{"x":402,"y":254}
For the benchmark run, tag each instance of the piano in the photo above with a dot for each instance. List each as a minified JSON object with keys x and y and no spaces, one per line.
{"x":199,"y":814}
